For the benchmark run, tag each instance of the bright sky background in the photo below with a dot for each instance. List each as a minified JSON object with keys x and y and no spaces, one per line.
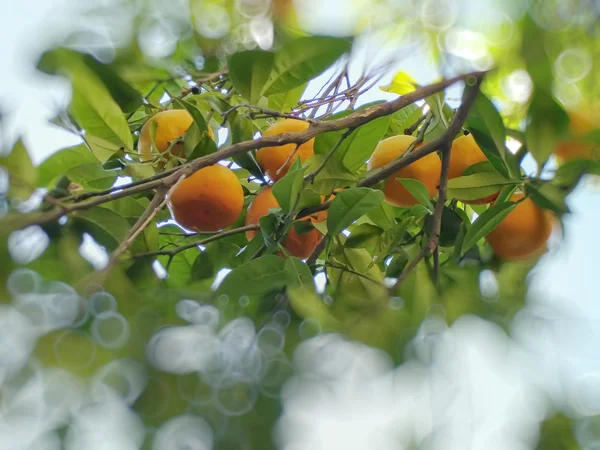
{"x":480,"y":381}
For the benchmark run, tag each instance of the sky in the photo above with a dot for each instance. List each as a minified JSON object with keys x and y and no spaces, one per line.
{"x":492,"y":375}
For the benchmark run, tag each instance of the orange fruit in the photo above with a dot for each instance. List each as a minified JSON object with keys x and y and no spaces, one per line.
{"x":523,"y":233}
{"x":580,"y":124}
{"x":273,"y":160}
{"x":170,"y":126}
{"x":464,"y":153}
{"x":209,"y":200}
{"x":299,"y":245}
{"x":426,"y":170}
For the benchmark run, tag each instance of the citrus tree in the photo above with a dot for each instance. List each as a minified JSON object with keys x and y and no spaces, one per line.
{"x":214,"y":216}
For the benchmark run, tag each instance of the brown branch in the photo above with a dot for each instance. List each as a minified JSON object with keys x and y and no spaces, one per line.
{"x":312,"y":259}
{"x":155,"y":206}
{"x":354,"y":120}
{"x":266,"y":111}
{"x":445,"y":147}
{"x":410,"y":130}
{"x":208,"y":240}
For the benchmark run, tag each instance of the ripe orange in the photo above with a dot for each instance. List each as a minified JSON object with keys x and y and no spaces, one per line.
{"x":523,"y":233}
{"x":209,"y":200}
{"x":580,"y":123}
{"x":299,"y":245}
{"x":464,"y":153}
{"x":273,"y":159}
{"x":170,"y":126}
{"x":426,"y":170}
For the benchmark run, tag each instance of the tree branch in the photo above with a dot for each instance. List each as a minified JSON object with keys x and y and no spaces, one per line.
{"x":354,"y":120}
{"x":157,"y":203}
{"x":445,"y":148}
{"x":208,"y":240}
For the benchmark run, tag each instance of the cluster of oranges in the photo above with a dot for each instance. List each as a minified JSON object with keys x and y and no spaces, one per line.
{"x":212,"y":198}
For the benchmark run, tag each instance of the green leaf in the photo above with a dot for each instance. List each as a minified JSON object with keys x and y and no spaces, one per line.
{"x":106,"y":226}
{"x":451,"y":225}
{"x":487,"y":127}
{"x":95,"y":111}
{"x":358,"y":147}
{"x":334,"y":175}
{"x":547,"y":123}
{"x":55,"y":166}
{"x":287,"y":189}
{"x":249,"y":71}
{"x":390,"y":239}
{"x":301,"y":60}
{"x":349,"y":205}
{"x":91,"y":175}
{"x":418,"y":190}
{"x":256,"y":277}
{"x":196,"y":142}
{"x":356,"y":281}
{"x":298,"y":273}
{"x":536,"y":57}
{"x":308,"y":305}
{"x":22,"y":174}
{"x":102,"y":149}
{"x":476,"y":186}
{"x":485,"y":223}
{"x":548,"y":196}
{"x":286,"y":101}
{"x":402,"y":119}
{"x":126,"y":96}
{"x":363,"y":236}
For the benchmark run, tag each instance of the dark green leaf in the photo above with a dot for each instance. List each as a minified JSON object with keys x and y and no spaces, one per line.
{"x":485,"y":223}
{"x":349,"y":205}
{"x":301,"y":60}
{"x":256,"y":277}
{"x":249,"y":71}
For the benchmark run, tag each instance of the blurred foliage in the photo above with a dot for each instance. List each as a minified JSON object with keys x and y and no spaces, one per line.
{"x":215,"y":59}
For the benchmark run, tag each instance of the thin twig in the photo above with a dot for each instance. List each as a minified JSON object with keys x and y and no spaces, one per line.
{"x":268,"y":113}
{"x":208,"y":240}
{"x":155,"y":206}
{"x":311,"y":176}
{"x":437,"y":213}
{"x":410,"y":130}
